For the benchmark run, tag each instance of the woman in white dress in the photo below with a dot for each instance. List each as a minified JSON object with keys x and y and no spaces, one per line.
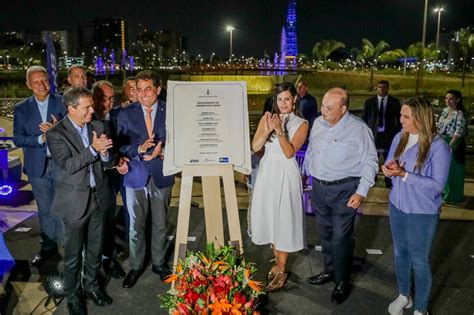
{"x":277,"y":215}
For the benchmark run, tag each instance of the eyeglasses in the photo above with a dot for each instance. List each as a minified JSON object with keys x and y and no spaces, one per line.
{"x":106,"y":98}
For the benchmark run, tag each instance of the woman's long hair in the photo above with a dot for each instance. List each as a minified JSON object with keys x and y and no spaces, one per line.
{"x":424,"y":121}
{"x":286,"y":86}
{"x":460,"y":105}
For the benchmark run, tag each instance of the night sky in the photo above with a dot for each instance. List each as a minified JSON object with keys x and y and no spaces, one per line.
{"x":258,"y":22}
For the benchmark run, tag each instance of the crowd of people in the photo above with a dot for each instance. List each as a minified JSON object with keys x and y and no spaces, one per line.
{"x":83,"y":148}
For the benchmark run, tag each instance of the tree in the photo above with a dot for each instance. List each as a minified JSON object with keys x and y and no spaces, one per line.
{"x":390,"y":56}
{"x":323,"y":49}
{"x":466,"y":44}
{"x":429,"y":52}
{"x":370,"y":53}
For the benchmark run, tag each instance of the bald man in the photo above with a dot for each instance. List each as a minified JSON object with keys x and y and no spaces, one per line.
{"x":342,"y":160}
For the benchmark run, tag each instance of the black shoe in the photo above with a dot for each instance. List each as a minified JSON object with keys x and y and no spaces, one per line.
{"x":131,"y":278}
{"x":163,"y":271}
{"x":43,"y":256}
{"x":76,"y":308}
{"x":113,"y":269}
{"x":99,"y":297}
{"x":322,"y":278}
{"x":341,"y":292}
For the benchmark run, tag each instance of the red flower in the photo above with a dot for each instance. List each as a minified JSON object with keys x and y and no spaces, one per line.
{"x":239,"y":298}
{"x":221,"y":284}
{"x":191,"y":296}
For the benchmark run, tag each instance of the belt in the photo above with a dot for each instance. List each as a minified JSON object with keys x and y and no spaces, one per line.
{"x":335,"y":182}
{"x":93,"y":189}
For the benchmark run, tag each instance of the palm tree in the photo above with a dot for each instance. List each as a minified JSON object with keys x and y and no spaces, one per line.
{"x":428,"y":52}
{"x":392,"y":55}
{"x":466,"y":44}
{"x":370,"y":53}
{"x":323,"y":49}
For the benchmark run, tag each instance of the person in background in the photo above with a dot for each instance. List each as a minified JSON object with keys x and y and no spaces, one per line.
{"x":418,"y":164}
{"x":104,"y":96}
{"x":129,"y":91}
{"x":453,"y":126}
{"x":382,"y":114}
{"x":277,"y":215}
{"x":76,"y":76}
{"x":308,"y":103}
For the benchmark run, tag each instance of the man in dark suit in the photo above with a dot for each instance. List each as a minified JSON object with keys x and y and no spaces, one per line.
{"x":382,"y":115}
{"x":104,"y":96}
{"x":31,"y":119}
{"x":308,"y":105}
{"x":83,"y":194}
{"x":142,"y":132}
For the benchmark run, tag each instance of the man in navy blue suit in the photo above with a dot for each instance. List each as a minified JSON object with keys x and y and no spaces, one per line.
{"x":142,"y":134}
{"x":32,"y":118}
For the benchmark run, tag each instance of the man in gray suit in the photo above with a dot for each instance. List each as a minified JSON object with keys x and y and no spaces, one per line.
{"x":83,"y":194}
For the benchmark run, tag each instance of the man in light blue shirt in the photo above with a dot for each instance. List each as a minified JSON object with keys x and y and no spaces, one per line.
{"x":342,"y":160}
{"x":32,"y":117}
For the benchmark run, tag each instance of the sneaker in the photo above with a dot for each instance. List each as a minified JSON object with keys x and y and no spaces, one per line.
{"x":399,"y":304}
{"x":420,"y":313}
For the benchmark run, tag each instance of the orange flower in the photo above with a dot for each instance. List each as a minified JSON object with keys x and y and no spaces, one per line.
{"x":171,"y":278}
{"x":255,"y":285}
{"x":205,"y":260}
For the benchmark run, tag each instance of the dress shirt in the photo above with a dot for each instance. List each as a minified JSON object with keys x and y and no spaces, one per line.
{"x":154,"y":107}
{"x":43,"y":109}
{"x":421,"y":192}
{"x":346,"y":149}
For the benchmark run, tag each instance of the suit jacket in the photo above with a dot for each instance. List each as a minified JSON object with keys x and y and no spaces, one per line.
{"x":73,"y":159}
{"x":26,"y":120}
{"x":132,"y":133}
{"x":370,"y":115}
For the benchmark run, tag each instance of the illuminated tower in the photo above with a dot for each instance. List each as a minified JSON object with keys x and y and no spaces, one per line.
{"x":290,"y":28}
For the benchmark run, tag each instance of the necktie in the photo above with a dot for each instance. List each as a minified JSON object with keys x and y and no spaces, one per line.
{"x":381,"y":113}
{"x":148,"y":122}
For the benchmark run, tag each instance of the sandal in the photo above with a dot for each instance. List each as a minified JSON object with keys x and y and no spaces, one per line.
{"x":278,"y":281}
{"x":271,"y":274}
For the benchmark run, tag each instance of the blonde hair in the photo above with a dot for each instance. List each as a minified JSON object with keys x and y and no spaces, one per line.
{"x":424,"y":121}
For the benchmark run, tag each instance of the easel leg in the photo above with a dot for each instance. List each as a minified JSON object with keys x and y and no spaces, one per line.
{"x":232,"y":209}
{"x":183,"y":219}
{"x":211,"y":191}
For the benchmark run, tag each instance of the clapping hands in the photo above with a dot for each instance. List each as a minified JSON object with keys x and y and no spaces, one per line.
{"x":101,"y":144}
{"x":272,"y":123}
{"x":394,"y":168}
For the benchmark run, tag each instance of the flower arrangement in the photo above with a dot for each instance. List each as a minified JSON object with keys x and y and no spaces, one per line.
{"x":218,"y":283}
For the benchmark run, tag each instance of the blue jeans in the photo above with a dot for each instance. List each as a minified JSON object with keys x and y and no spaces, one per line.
{"x":413,"y":236}
{"x":51,"y":226}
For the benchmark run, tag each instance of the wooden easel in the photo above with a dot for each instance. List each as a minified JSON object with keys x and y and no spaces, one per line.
{"x":212,"y":206}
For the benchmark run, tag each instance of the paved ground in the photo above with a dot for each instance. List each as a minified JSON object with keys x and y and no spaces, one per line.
{"x":374,"y":282}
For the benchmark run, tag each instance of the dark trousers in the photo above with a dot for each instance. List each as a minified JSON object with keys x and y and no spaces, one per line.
{"x":141,"y":202}
{"x":83,"y":235}
{"x":336,"y":226}
{"x":51,"y":226}
{"x":382,"y":143}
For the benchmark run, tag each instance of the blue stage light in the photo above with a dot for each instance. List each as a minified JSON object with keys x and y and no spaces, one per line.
{"x":6,"y":190}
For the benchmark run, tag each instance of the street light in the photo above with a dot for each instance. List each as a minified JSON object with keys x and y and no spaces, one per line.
{"x":438,"y":10}
{"x":230,"y":29}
